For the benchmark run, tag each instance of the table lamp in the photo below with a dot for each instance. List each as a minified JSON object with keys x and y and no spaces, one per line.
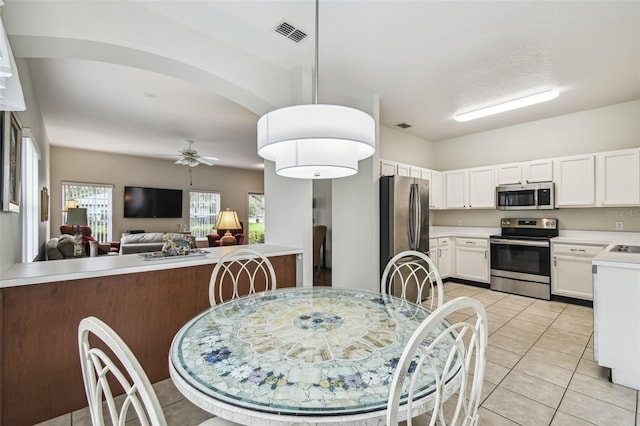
{"x":77,"y":217}
{"x":228,"y":220}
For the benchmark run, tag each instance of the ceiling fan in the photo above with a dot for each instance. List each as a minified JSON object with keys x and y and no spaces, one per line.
{"x":190,"y":157}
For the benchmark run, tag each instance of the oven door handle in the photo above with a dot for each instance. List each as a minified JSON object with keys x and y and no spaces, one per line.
{"x":519,"y":242}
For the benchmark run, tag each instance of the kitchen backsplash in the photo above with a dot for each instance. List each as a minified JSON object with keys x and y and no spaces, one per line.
{"x":584,"y":219}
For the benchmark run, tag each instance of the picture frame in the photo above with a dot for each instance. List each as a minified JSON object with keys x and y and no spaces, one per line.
{"x":11,"y":160}
{"x":44,"y":204}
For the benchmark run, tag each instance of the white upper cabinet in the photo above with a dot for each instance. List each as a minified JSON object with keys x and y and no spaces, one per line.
{"x":509,"y":173}
{"x":415,"y":172}
{"x":456,"y":188}
{"x":482,"y":188}
{"x":387,"y":168}
{"x":618,"y":178}
{"x":471,"y":188}
{"x":435,"y":188}
{"x":436,"y":191}
{"x":575,"y":181}
{"x":403,"y":170}
{"x":537,"y":171}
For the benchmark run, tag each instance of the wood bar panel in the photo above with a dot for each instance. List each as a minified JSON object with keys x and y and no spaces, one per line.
{"x":41,"y":377}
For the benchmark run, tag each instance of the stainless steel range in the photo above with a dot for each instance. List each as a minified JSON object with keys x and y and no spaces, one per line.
{"x":521,"y":257}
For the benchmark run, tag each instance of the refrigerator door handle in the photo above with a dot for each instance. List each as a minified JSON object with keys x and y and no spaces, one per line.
{"x":414,"y":216}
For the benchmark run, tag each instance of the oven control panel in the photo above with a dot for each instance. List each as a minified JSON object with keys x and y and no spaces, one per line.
{"x":545,"y":223}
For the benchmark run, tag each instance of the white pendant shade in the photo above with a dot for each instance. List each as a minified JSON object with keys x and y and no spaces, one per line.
{"x":316,"y":141}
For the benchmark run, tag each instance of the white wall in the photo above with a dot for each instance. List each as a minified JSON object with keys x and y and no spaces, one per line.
{"x":601,"y":129}
{"x":73,"y":165}
{"x":402,"y":147}
{"x":11,"y":223}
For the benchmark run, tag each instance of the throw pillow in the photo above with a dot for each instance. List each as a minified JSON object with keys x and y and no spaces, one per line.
{"x":78,"y":247}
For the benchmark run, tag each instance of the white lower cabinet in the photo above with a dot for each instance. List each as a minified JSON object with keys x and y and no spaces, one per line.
{"x":472,"y":259}
{"x":571,"y":269}
{"x":440,"y":255}
{"x":444,"y":257}
{"x":433,"y":251}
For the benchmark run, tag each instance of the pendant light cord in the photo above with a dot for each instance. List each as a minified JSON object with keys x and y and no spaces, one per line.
{"x":315,"y":91}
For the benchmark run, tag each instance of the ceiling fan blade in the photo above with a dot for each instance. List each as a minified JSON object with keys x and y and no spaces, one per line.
{"x":208,"y":161}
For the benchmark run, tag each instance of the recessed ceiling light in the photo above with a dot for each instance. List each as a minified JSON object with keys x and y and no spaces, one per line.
{"x":403,"y":125}
{"x":508,"y":106}
{"x":150,"y":94}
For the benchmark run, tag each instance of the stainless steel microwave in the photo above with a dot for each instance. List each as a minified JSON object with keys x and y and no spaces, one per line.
{"x":537,"y":196}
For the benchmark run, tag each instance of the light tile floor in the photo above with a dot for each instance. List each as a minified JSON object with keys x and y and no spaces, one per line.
{"x":540,"y":370}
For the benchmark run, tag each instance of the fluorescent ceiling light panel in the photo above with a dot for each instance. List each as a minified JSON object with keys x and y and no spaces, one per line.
{"x":508,"y":106}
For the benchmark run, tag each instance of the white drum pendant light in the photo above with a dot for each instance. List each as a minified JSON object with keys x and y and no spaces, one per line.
{"x":316,"y":141}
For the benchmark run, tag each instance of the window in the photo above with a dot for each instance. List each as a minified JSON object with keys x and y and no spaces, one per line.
{"x":97,"y":199}
{"x":30,"y":198}
{"x":256,"y":218}
{"x":204,"y":207}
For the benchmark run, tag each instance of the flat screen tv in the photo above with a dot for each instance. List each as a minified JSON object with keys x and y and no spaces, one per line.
{"x":142,"y":202}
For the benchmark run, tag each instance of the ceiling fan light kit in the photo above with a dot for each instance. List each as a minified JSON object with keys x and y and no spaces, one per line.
{"x":508,"y":106}
{"x":316,"y":141}
{"x":190,"y":157}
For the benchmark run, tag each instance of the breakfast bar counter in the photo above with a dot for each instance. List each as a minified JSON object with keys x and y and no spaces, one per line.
{"x":144,"y":301}
{"x":105,"y":265}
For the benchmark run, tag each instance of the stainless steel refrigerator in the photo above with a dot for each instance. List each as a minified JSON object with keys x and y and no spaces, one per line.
{"x":404,"y":218}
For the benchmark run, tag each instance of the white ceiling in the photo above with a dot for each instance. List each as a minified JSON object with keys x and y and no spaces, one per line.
{"x":426,"y":60}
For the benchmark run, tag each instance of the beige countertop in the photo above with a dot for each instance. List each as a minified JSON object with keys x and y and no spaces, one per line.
{"x":91,"y":267}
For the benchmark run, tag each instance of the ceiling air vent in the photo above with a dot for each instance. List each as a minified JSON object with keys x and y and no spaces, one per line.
{"x":291,"y":32}
{"x":403,"y":125}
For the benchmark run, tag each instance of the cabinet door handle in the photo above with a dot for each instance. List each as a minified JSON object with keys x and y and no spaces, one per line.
{"x":471,"y":242}
{"x":485,"y":254}
{"x":554,"y":261}
{"x":574,"y":250}
{"x":439,"y":253}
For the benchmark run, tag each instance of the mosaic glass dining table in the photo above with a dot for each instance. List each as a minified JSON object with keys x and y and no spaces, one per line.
{"x":303,"y":355}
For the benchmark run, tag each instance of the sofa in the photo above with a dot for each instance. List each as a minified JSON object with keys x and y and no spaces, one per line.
{"x":151,"y":241}
{"x":64,"y":247}
{"x":90,"y":245}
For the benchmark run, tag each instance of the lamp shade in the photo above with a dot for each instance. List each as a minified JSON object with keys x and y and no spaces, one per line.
{"x":70,"y":204}
{"x":227,"y":219}
{"x":77,"y":217}
{"x":316,"y":141}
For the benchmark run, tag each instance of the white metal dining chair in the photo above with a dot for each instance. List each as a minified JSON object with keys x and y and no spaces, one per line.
{"x":466,"y":344}
{"x":408,"y":274}
{"x":240,"y":266}
{"x":140,"y":400}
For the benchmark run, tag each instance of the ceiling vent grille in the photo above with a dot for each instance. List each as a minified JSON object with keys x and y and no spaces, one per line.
{"x":403,"y":125}
{"x":291,"y":32}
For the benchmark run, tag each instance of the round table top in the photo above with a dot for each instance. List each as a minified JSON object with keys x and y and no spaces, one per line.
{"x":301,"y":351}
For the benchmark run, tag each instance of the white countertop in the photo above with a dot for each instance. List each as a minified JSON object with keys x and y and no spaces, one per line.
{"x":617,"y":259}
{"x":462,"y":231}
{"x":90,"y":267}
{"x":597,"y":237}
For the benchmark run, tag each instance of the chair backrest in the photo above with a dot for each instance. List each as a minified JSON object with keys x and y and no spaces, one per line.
{"x":408,"y":274}
{"x":98,"y":369}
{"x":466,"y":344}
{"x":239,"y":272}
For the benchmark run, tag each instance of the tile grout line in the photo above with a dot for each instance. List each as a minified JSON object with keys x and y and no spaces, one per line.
{"x":520,"y":359}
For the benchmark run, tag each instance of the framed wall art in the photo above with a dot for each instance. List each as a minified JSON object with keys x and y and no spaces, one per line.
{"x":44,"y":204}
{"x":10,"y":152}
